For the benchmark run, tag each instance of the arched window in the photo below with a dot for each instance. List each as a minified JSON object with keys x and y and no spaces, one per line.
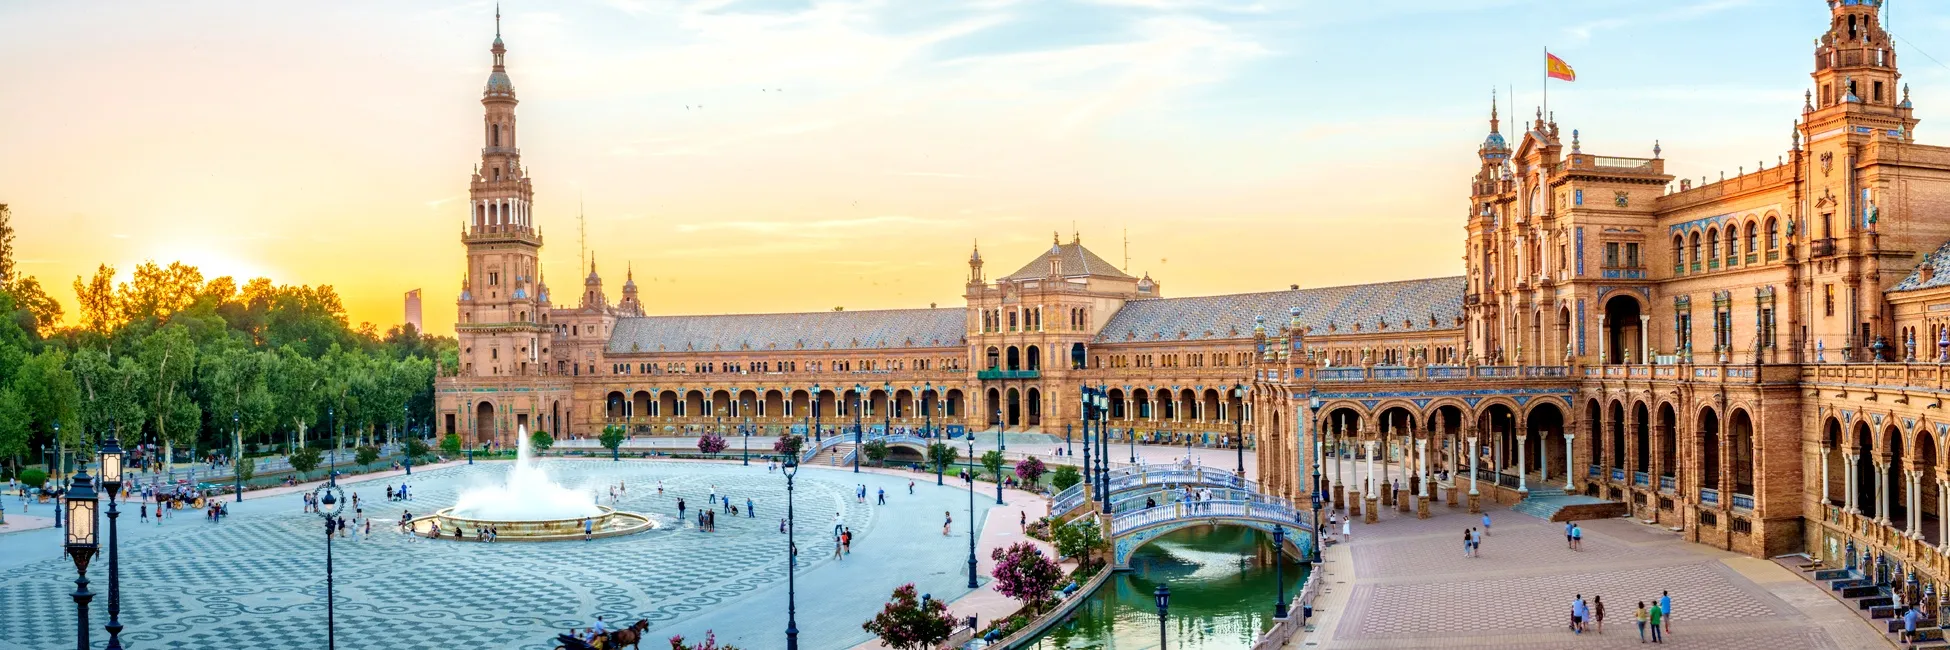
{"x":1773,"y":235}
{"x":1678,"y":254}
{"x":1753,"y":238}
{"x":1712,"y":245}
{"x":1696,"y":251}
{"x":1733,"y":245}
{"x":497,"y":135}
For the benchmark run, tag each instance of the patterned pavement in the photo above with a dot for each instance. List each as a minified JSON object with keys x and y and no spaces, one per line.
{"x":256,"y":580}
{"x":1404,"y":583}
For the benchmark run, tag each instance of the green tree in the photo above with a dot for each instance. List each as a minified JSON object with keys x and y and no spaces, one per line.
{"x":910,"y":623}
{"x":13,"y":428}
{"x":167,"y":358}
{"x":246,"y":469}
{"x":941,"y":455}
{"x":1079,"y":539}
{"x":47,"y":394}
{"x":612,"y":438}
{"x":304,"y":460}
{"x":365,"y":456}
{"x":1064,"y":477}
{"x":540,"y":441}
{"x":992,"y":461}
{"x":297,"y":388}
{"x":450,"y":445}
{"x":877,"y":451}
{"x":415,"y":448}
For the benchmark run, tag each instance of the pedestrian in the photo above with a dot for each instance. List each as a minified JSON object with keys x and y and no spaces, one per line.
{"x":1910,"y":617}
{"x":781,"y":525}
{"x":1654,"y":617}
{"x":1640,"y":617}
{"x":910,"y":486}
{"x":1469,"y":545}
{"x":1598,"y":611}
{"x":838,"y":524}
{"x":1568,"y":536}
{"x":588,"y":529}
{"x":750,"y":511}
{"x":1578,"y":611}
{"x":1022,"y":519}
{"x":1347,"y":530}
{"x":145,"y":513}
{"x":947,"y":520}
{"x":680,"y":508}
{"x":846,"y":541}
{"x":1486,"y":524}
{"x":883,"y":497}
{"x":1665,"y":610}
{"x":1577,"y":537}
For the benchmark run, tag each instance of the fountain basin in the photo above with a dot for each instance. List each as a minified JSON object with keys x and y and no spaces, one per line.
{"x":610,"y":523}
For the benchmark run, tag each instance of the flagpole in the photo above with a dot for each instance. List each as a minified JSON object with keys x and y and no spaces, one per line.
{"x":1547,"y":79}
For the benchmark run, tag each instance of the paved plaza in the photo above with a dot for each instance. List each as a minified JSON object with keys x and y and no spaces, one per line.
{"x":256,"y":580}
{"x":1405,"y":583}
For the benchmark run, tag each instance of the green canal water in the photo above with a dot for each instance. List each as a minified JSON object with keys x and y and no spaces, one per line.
{"x":1222,"y":592}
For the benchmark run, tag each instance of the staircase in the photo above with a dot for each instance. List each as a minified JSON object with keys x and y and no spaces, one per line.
{"x":831,"y":455}
{"x":1552,"y":504}
{"x":1872,"y":601}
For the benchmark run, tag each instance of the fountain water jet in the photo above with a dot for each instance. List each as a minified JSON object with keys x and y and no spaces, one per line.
{"x":529,"y":506}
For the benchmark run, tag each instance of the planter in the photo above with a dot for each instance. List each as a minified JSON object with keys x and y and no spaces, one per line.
{"x":1057,"y":613}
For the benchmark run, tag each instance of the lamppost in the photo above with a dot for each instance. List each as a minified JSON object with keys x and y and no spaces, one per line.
{"x":1239,"y":426}
{"x":111,"y":471}
{"x":815,"y":414}
{"x":236,"y":424}
{"x":1320,"y":489}
{"x":81,"y":545}
{"x":859,"y":392}
{"x":998,"y":457}
{"x":1103,"y":446}
{"x":791,"y":470}
{"x":887,"y":427}
{"x":1279,"y":569}
{"x":403,"y":419}
{"x":332,"y":421}
{"x":1088,"y":476}
{"x":46,"y":453}
{"x":747,"y":412}
{"x":927,"y":428}
{"x":1163,"y":594}
{"x":971,"y":512}
{"x":331,"y":501}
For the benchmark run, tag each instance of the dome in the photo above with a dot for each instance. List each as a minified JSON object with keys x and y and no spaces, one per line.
{"x":498,"y":84}
{"x":629,"y":285}
{"x":1495,"y":141}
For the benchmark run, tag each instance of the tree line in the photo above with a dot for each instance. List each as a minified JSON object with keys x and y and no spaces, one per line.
{"x":172,"y":359}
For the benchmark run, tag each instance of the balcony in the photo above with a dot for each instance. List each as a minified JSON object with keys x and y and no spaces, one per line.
{"x":1821,"y":247}
{"x":997,"y":373}
{"x":1709,"y":496}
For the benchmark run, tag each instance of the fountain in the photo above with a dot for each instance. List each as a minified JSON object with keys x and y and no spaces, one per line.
{"x":528,"y":506}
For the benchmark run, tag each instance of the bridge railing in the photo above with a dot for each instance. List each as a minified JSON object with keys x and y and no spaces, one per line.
{"x":1268,"y":508}
{"x":1127,"y":477}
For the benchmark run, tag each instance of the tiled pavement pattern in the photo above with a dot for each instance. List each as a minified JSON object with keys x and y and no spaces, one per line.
{"x":255,"y":581}
{"x":1404,"y":583}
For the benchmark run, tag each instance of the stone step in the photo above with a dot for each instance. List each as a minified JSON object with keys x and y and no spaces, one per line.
{"x":1562,"y":507}
{"x":1833,"y":574}
{"x":1873,"y":602}
{"x":1926,"y":629}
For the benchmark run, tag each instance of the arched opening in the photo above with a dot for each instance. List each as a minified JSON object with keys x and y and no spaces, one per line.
{"x":994,"y":408}
{"x":1078,"y":356}
{"x":1035,"y":358}
{"x":876,"y":404}
{"x":616,"y":408}
{"x":1594,"y":442}
{"x":775,"y":405}
{"x":903,"y":406}
{"x":1499,"y":423}
{"x":1035,"y":407}
{"x":1832,"y":458}
{"x":1895,"y":487}
{"x":1014,"y":408}
{"x":1209,"y":406}
{"x":1865,"y":468}
{"x":720,"y":403}
{"x":1709,"y":440}
{"x":1740,"y":429}
{"x":1117,"y":404}
{"x":1142,"y":400}
{"x":1622,"y":329}
{"x":747,"y":405}
{"x":1545,"y":448}
{"x":484,"y":423}
{"x":1641,"y":442}
{"x":555,"y":418}
{"x":994,"y":357}
{"x":1668,"y":445}
{"x":1924,"y":460}
{"x":1015,"y":358}
{"x":640,"y":404}
{"x":954,"y":405}
{"x":1617,"y":413}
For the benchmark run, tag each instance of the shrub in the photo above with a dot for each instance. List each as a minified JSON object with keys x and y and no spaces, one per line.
{"x":415,"y":448}
{"x":711,"y":443}
{"x":1065,"y":477}
{"x":710,"y":643}
{"x":33,"y":478}
{"x":877,"y":451}
{"x":612,"y":438}
{"x":365,"y":456}
{"x":450,"y":445}
{"x":1079,"y":539}
{"x":305,"y":460}
{"x":1022,"y":572}
{"x":789,"y":445}
{"x":540,"y":441}
{"x":246,"y":468}
{"x":1038,"y":529}
{"x":992,"y":460}
{"x":941,"y":455}
{"x":1029,"y":470}
{"x":906,"y":623}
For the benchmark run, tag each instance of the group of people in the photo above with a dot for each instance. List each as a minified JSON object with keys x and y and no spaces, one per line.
{"x":1656,"y":618}
{"x":397,"y":495}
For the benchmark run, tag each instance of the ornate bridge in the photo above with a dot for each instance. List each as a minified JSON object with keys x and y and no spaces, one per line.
{"x":1149,"y":478}
{"x":1133,"y":530}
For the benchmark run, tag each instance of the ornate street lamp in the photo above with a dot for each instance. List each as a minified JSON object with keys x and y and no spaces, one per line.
{"x":111,"y":471}
{"x":81,"y":546}
{"x":1320,"y":489}
{"x":1103,"y":446}
{"x":331,"y":501}
{"x":236,"y":424}
{"x":46,"y":452}
{"x":747,"y":412}
{"x":1239,"y":426}
{"x":998,"y":454}
{"x":971,"y":511}
{"x":1088,"y":476}
{"x":1163,"y":595}
{"x":403,"y":420}
{"x":1279,"y":569}
{"x":815,"y":415}
{"x":887,"y":418}
{"x":791,"y":470}
{"x":859,"y":392}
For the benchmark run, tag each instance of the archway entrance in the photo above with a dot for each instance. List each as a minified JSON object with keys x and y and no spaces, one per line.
{"x":1622,"y":330}
{"x":484,"y":422}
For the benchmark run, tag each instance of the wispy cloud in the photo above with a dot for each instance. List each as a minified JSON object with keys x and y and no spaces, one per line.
{"x":1680,"y":13}
{"x":808,"y":228}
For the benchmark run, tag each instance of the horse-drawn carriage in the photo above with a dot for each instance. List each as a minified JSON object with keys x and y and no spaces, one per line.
{"x":627,"y":637}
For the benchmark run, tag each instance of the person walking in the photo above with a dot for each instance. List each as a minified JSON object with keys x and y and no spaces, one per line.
{"x":1640,"y":617}
{"x":1469,"y":545}
{"x":846,"y":541}
{"x":1654,"y":617}
{"x":910,"y":486}
{"x":1347,"y":530}
{"x":1598,"y":611}
{"x":1578,"y":613}
{"x":1577,"y":537}
{"x":1486,"y":524}
{"x":751,"y":512}
{"x":1568,"y":528}
{"x":947,"y":521}
{"x":1665,"y":610}
{"x":680,"y":508}
{"x":145,"y":513}
{"x":882,"y":494}
{"x":588,"y":528}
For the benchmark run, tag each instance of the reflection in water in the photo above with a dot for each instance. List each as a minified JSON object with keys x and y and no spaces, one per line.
{"x":1222,"y":593}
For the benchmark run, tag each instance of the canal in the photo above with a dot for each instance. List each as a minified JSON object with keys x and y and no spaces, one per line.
{"x":1222,"y":592}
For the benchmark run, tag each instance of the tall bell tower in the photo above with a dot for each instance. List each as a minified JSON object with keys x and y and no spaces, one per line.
{"x":503,"y":326}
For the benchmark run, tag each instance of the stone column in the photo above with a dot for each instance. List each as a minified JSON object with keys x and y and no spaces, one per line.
{"x":1523,"y":477}
{"x":1335,"y":484}
{"x":1475,"y":497}
{"x":1882,"y":493}
{"x":1370,"y":514}
{"x":1942,"y":521}
{"x":1604,"y":340}
{"x":1569,"y":461}
{"x":1914,"y":504}
{"x":1386,"y":487}
{"x":1422,"y":457}
{"x":1848,"y":482}
{"x":1645,"y":338}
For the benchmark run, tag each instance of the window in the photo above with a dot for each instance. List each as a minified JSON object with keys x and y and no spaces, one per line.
{"x":1611,"y":255}
{"x":1712,"y":248}
{"x":1632,"y":255}
{"x":1577,"y":197}
{"x":1773,"y":234}
{"x":1878,"y":92}
{"x":1678,"y":254}
{"x":1828,"y":299}
{"x":1753,"y":238}
{"x":1696,"y":251}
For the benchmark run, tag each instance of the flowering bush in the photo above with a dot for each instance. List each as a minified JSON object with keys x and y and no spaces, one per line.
{"x":906,"y":623}
{"x":710,"y":643}
{"x":1022,"y":572}
{"x":789,"y":445}
{"x":1029,"y":470}
{"x":711,"y":443}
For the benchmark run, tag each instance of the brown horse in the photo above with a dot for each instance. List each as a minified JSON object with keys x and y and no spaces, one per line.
{"x":629,"y":636}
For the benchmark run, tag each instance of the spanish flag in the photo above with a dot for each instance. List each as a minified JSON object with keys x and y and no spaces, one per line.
{"x":1556,"y":68}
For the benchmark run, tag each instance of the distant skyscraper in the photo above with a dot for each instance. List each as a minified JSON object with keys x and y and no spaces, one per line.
{"x":413,"y":310}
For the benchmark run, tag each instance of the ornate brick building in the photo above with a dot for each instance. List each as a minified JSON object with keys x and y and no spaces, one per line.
{"x":1757,"y":360}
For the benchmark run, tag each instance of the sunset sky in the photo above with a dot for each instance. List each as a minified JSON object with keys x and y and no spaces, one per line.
{"x":848,"y":153}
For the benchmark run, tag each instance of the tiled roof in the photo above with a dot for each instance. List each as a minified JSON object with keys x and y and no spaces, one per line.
{"x":1404,"y":306}
{"x":1938,"y":263}
{"x":820,"y":330}
{"x":1076,"y":261}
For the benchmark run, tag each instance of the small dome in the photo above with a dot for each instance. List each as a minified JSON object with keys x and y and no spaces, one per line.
{"x":1495,"y":141}
{"x":498,"y":84}
{"x":629,"y":285}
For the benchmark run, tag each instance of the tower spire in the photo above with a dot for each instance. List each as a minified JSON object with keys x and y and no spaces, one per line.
{"x":497,"y":21}
{"x":1495,"y":124}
